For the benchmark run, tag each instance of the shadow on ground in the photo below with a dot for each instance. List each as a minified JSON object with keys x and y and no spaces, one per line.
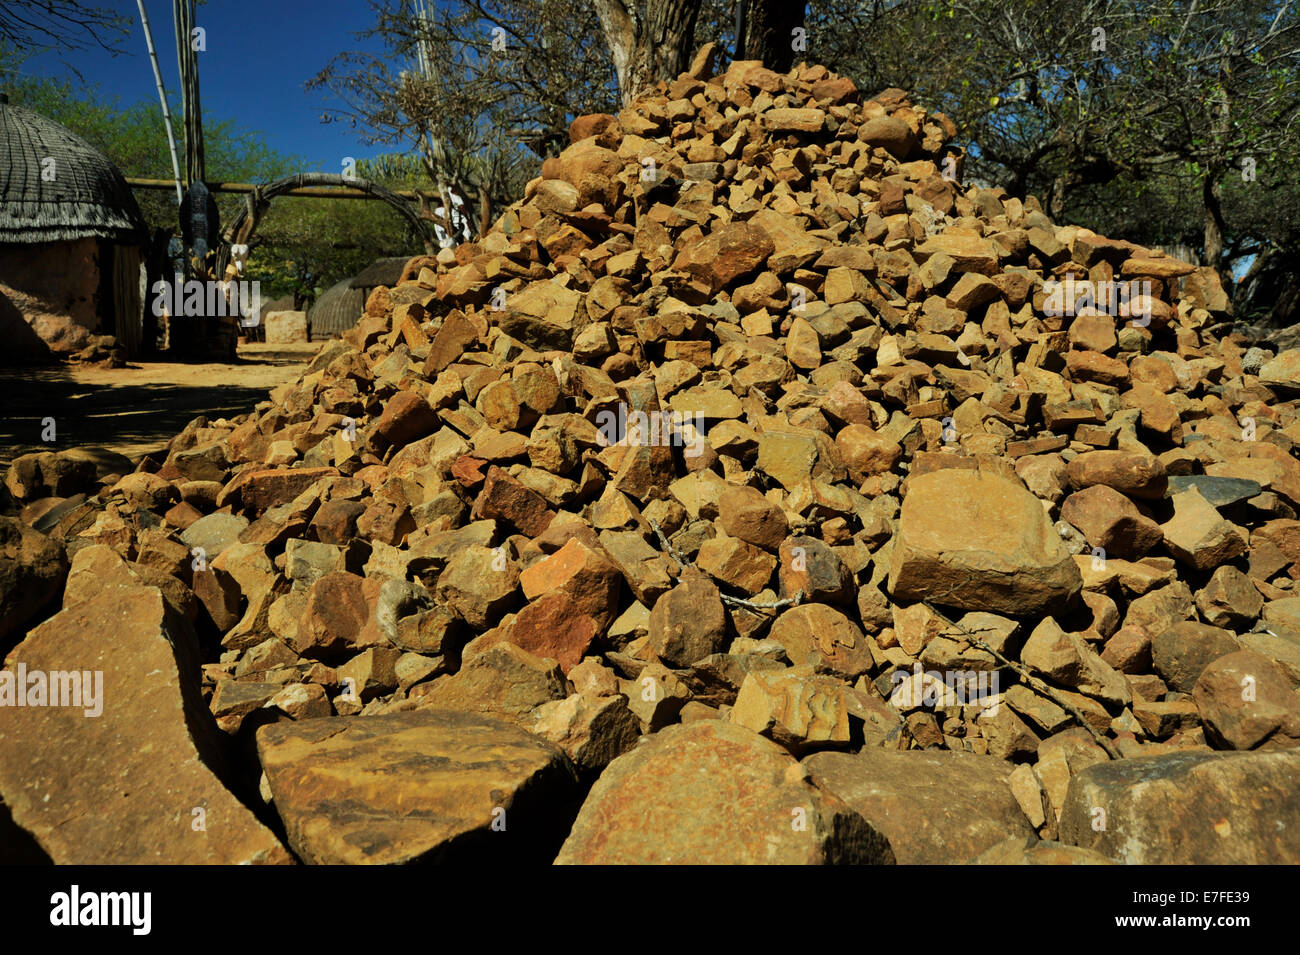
{"x":120,"y":415}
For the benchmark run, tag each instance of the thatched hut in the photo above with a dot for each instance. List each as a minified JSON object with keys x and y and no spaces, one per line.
{"x":71,"y":241}
{"x":342,"y":304}
{"x":338,"y":309}
{"x":380,"y":272}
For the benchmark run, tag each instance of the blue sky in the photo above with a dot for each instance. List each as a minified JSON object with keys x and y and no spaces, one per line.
{"x":260,"y":54}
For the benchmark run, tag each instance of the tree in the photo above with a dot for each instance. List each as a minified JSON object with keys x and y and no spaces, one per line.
{"x":480,"y":90}
{"x":34,"y":25}
{"x":649,"y":40}
{"x":1105,"y":108}
{"x":768,"y":31}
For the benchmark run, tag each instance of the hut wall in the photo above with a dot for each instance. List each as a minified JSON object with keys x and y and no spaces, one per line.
{"x":55,"y":287}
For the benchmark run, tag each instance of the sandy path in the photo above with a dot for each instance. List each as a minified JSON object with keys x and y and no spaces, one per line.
{"x":135,"y":410}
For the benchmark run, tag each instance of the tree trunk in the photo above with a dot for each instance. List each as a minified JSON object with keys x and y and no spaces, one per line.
{"x":769,"y":32}
{"x":1211,"y":196}
{"x":649,"y":40}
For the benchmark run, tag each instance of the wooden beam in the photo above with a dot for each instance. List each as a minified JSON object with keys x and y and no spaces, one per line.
{"x":302,"y":192}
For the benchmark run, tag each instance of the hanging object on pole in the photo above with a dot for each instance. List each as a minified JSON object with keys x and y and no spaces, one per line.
{"x":200,"y":225}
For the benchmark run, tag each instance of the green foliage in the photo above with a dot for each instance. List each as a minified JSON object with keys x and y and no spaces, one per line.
{"x":301,"y":247}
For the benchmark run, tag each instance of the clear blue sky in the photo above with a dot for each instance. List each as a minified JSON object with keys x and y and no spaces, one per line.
{"x":260,"y":54}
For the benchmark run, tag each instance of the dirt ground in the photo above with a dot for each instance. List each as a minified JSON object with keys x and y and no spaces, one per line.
{"x":135,"y":410}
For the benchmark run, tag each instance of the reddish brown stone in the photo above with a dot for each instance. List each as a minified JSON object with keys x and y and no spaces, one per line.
{"x":504,"y":498}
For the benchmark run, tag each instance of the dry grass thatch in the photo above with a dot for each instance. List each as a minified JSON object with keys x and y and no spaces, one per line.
{"x":54,"y":186}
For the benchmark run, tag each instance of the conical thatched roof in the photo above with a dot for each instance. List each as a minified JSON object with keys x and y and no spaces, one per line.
{"x":338,"y":309}
{"x":54,"y":186}
{"x":381,"y":272}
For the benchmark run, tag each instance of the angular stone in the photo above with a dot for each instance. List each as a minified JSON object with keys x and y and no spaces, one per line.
{"x":824,"y":637}
{"x":688,"y":622}
{"x":1129,"y":472}
{"x":504,"y":680}
{"x":795,"y":707}
{"x":1068,"y":660}
{"x":1109,"y":520}
{"x":1229,"y":600}
{"x":406,"y":418}
{"x":1246,"y":702}
{"x":710,"y":792}
{"x":555,"y":625}
{"x":340,"y":617}
{"x":421,"y":786}
{"x":1187,"y":809}
{"x":1180,"y":653}
{"x":933,"y":808}
{"x":480,"y":584}
{"x":584,"y":573}
{"x":1219,"y":491}
{"x":214,"y":533}
{"x":744,"y":513}
{"x":979,"y":542}
{"x":1198,"y":536}
{"x":32,"y":570}
{"x":62,"y":767}
{"x":734,"y":562}
{"x":505,"y":498}
{"x":890,"y":134}
{"x":593,"y":731}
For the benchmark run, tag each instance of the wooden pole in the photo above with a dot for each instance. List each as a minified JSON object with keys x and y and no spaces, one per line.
{"x":162,"y":96}
{"x":301,"y":192}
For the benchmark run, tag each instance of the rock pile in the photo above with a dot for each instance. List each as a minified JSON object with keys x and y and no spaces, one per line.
{"x":753,"y":491}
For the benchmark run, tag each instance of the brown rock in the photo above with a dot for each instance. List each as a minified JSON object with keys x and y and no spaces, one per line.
{"x":1068,"y":660}
{"x":504,"y":680}
{"x":745,"y":513}
{"x":504,"y":498}
{"x":406,"y":417}
{"x":479,"y":584}
{"x":734,"y":562}
{"x":688,"y":622}
{"x":1198,"y":536}
{"x":1129,"y":472}
{"x":979,"y":542}
{"x":933,"y":808}
{"x":710,"y":792}
{"x":1111,"y":521}
{"x":1246,"y":702}
{"x":414,"y":786}
{"x":795,"y":707}
{"x":1186,"y":808}
{"x":1180,"y":653}
{"x":32,"y":569}
{"x":593,"y":731}
{"x":825,"y":637}
{"x":134,"y":713}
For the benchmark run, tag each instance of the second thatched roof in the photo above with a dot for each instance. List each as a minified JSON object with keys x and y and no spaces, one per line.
{"x":338,"y":309}
{"x":381,"y":272}
{"x":54,"y":186}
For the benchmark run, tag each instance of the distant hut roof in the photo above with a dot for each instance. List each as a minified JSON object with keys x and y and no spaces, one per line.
{"x":81,"y":195}
{"x":381,"y":272}
{"x":339,"y":308}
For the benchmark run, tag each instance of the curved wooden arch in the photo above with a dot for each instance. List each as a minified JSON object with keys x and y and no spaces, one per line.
{"x":242,"y":227}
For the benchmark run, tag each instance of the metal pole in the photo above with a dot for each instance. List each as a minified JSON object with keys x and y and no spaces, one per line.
{"x":162,"y":97}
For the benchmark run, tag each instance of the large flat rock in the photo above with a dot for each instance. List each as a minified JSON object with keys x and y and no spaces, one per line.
{"x":1193,"y":808}
{"x":713,"y":793}
{"x":122,"y":787}
{"x":932,"y":807}
{"x":979,"y":541}
{"x":423,"y":785}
